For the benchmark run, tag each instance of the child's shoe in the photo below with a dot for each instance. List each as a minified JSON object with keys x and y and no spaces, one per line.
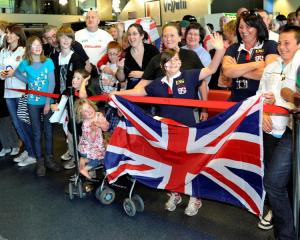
{"x":194,"y":205}
{"x":174,"y":200}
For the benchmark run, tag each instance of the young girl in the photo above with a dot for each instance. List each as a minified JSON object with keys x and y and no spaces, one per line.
{"x":91,"y":146}
{"x":177,"y":84}
{"x":39,"y":72}
{"x":80,"y":82}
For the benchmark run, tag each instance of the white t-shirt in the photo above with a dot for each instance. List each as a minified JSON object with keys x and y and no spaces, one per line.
{"x":11,"y":60}
{"x":275,"y":77}
{"x":94,"y":43}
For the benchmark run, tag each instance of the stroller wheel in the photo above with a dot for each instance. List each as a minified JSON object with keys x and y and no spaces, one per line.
{"x":79,"y":189}
{"x":138,"y":202}
{"x":71,"y":195}
{"x":107,"y":196}
{"x":129,"y":207}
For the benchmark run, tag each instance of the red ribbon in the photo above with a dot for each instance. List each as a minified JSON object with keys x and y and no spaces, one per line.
{"x":218,"y":105}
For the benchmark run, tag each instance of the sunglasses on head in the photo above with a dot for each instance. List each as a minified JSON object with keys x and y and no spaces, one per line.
{"x":249,"y":13}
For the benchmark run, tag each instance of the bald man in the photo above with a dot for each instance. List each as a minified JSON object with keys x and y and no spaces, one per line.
{"x":93,"y":39}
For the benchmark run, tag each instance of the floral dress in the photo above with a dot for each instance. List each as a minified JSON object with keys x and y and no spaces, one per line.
{"x":91,"y":141}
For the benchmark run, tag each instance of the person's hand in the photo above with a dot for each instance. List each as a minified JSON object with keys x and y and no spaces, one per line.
{"x":203,"y":116}
{"x":4,"y":73}
{"x":135,"y":74}
{"x":54,"y":107}
{"x":217,"y":41}
{"x":267,"y":123}
{"x":85,"y":81}
{"x":269,"y":97}
{"x":121,"y":63}
{"x":10,"y":72}
{"x":46,"y":108}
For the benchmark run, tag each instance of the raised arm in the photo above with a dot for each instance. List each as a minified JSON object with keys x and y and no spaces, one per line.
{"x":217,"y":42}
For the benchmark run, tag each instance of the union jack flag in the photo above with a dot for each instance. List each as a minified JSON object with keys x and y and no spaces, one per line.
{"x":219,"y":159}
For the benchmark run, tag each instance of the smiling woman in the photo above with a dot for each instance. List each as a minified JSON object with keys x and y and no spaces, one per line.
{"x":245,"y":61}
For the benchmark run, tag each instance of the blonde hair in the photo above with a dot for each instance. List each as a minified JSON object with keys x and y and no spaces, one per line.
{"x":78,"y":108}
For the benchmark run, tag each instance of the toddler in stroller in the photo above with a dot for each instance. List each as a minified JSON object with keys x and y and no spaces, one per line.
{"x":91,"y":143}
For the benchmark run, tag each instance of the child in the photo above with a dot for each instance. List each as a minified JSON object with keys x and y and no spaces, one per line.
{"x":91,"y":146}
{"x":39,"y":72}
{"x":80,"y":82}
{"x":177,"y":84}
{"x":108,"y":81}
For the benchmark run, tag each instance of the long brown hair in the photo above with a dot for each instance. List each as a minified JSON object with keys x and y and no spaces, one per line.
{"x":13,"y":28}
{"x":28,"y":50}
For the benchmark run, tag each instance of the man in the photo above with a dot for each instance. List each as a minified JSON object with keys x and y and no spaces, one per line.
{"x":291,"y":19}
{"x":51,"y":48}
{"x":93,"y":39}
{"x":278,"y":85}
{"x":265,"y":16}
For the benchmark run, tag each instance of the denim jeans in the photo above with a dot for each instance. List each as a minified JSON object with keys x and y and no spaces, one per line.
{"x":35,"y":113}
{"x":278,"y":170}
{"x":23,"y":129}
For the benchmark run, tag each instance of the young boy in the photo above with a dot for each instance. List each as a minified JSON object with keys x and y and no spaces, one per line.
{"x":278,"y":86}
{"x":108,"y":81}
{"x":177,"y":84}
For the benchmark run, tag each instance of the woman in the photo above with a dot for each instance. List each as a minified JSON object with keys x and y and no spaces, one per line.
{"x":170,"y":40}
{"x":137,"y":57}
{"x":10,"y":59}
{"x":38,"y":72}
{"x":194,"y":35}
{"x":245,"y":61}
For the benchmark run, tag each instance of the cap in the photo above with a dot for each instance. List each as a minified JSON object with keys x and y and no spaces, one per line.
{"x":184,"y":23}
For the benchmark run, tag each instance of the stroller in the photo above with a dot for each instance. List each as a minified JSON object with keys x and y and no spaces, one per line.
{"x":105,"y":193}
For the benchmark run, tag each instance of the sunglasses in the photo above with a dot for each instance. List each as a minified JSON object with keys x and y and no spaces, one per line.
{"x":249,"y":13}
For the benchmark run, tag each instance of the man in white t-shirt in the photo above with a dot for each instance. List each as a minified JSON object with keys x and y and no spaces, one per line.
{"x":93,"y":39}
{"x":265,"y":16}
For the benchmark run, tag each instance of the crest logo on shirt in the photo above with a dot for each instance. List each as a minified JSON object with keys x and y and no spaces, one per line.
{"x":18,"y":58}
{"x":182,"y":90}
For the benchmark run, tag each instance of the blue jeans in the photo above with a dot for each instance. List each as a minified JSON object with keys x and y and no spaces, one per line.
{"x":35,"y":112}
{"x":278,"y":170}
{"x":23,"y":129}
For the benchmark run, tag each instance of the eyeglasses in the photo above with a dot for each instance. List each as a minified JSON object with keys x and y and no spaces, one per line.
{"x":112,"y":54}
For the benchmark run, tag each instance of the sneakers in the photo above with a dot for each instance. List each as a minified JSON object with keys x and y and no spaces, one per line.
{"x":4,"y":151}
{"x":14,"y":151}
{"x":66,"y":156}
{"x":27,"y":161}
{"x":21,"y":157}
{"x":266,"y":222}
{"x":194,"y":205}
{"x":174,"y":200}
{"x":70,"y":164}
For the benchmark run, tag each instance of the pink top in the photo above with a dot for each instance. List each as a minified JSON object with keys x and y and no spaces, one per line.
{"x":91,"y":141}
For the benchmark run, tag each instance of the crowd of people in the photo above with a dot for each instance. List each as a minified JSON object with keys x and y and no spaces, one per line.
{"x":248,"y":56}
